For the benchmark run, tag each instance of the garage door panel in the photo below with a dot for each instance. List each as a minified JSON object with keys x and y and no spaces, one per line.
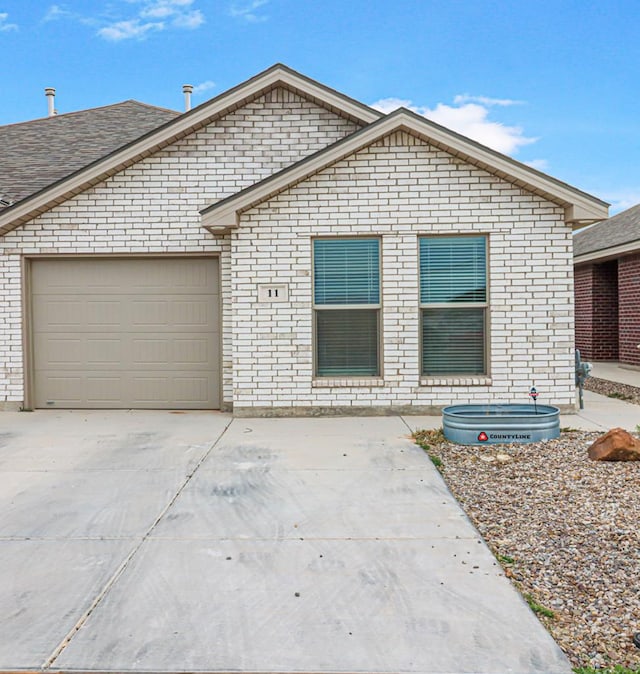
{"x":146,"y":389}
{"x":189,"y":392}
{"x":175,"y":313}
{"x":149,"y":313}
{"x":100,"y":352}
{"x":104,"y":313}
{"x":80,"y":277}
{"x":104,"y":390}
{"x":62,"y":351}
{"x":108,"y":344}
{"x":147,"y":351}
{"x":67,"y":350}
{"x":62,"y":389}
{"x":192,"y":351}
{"x":182,"y":278}
{"x":60,"y":312}
{"x":192,"y":314}
{"x":192,"y":388}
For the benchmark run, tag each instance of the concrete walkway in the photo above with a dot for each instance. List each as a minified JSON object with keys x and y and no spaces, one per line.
{"x":613,"y":371}
{"x":601,"y":412}
{"x":151,"y":541}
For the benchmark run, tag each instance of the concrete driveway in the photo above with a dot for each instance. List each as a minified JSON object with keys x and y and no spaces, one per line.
{"x":152,"y":541}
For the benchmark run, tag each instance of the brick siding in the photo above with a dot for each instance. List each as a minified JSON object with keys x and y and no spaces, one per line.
{"x":583,"y":282}
{"x":629,"y":312}
{"x":596,"y":323}
{"x":398,"y":189}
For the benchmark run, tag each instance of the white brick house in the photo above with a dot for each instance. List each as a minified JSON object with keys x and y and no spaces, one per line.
{"x":283,"y":249}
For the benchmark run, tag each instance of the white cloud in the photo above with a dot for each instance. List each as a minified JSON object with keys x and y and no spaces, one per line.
{"x":247,"y":11}
{"x":151,"y":16}
{"x":157,"y":12}
{"x":125,"y":30}
{"x":539,"y":164}
{"x":189,"y":20}
{"x":469,"y":119}
{"x":5,"y":26}
{"x":622,"y":199}
{"x":387,"y":105}
{"x":485,"y":100}
{"x":161,"y":9}
{"x":203,"y":86}
{"x":60,"y":12}
{"x":56,"y":12}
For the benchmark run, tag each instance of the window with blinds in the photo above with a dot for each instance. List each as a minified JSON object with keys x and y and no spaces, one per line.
{"x":346,"y":299}
{"x":453,"y":304}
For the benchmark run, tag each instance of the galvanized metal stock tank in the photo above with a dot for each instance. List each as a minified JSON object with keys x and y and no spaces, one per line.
{"x":499,"y":424}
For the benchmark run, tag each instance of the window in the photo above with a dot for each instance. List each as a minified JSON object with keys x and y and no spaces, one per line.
{"x":453,"y":304}
{"x":346,"y":302}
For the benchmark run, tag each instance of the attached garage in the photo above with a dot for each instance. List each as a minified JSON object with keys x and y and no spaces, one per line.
{"x":125,"y":333}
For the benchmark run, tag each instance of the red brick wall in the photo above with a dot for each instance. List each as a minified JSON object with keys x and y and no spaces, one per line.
{"x":596,"y":289}
{"x":629,"y":312}
{"x":583,"y":276}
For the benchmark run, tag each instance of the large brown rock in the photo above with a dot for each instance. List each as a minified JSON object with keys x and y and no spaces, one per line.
{"x":616,"y":445}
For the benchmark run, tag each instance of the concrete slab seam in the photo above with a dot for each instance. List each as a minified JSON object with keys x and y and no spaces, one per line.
{"x":406,"y":423}
{"x":120,"y":570}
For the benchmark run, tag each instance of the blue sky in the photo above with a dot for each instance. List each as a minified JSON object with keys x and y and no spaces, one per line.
{"x":553,"y":83}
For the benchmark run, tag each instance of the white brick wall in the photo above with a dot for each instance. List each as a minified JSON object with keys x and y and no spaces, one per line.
{"x":398,"y":189}
{"x":153,"y":207}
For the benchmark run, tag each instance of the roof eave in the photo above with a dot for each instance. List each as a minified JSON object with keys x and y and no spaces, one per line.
{"x":608,"y":253}
{"x":187,"y":123}
{"x":580,"y":208}
{"x":223,"y":223}
{"x":579,"y":215}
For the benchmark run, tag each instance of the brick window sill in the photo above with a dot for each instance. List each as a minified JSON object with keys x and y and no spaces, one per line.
{"x":455,"y":381}
{"x":346,"y":382}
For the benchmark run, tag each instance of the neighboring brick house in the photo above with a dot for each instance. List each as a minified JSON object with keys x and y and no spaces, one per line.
{"x":284,"y":249}
{"x":607,"y":280}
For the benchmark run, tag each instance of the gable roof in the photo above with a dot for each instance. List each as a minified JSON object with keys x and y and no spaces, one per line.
{"x":183,"y":125}
{"x":609,"y":238}
{"x":37,"y":153}
{"x":580,"y":207}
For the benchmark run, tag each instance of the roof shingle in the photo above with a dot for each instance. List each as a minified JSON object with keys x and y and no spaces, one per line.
{"x":37,"y":153}
{"x":615,"y":231}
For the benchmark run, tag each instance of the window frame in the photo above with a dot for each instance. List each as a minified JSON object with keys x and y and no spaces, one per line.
{"x":455,"y":305}
{"x":315,"y":308}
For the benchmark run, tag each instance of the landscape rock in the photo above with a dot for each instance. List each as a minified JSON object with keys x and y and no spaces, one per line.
{"x":616,"y":445}
{"x":571,"y":529}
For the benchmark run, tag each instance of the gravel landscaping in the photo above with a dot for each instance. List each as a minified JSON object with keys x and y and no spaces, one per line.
{"x":565,"y":529}
{"x":613,"y":389}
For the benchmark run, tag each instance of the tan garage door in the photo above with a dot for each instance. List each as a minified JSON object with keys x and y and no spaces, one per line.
{"x":126,"y":333}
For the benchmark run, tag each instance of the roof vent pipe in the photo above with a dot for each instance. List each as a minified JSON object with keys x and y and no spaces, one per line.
{"x":187,"y":90}
{"x":50,"y":93}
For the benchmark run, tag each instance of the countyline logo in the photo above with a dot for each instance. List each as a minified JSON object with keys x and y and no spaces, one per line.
{"x":483,"y":437}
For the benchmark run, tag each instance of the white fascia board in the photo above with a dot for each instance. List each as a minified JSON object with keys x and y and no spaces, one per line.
{"x":577,"y":215}
{"x":225,"y":221}
{"x":580,"y":208}
{"x":12,"y":217}
{"x":609,"y":253}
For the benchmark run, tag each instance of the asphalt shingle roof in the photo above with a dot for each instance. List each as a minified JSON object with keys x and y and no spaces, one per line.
{"x":615,"y":231}
{"x":40,"y":152}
